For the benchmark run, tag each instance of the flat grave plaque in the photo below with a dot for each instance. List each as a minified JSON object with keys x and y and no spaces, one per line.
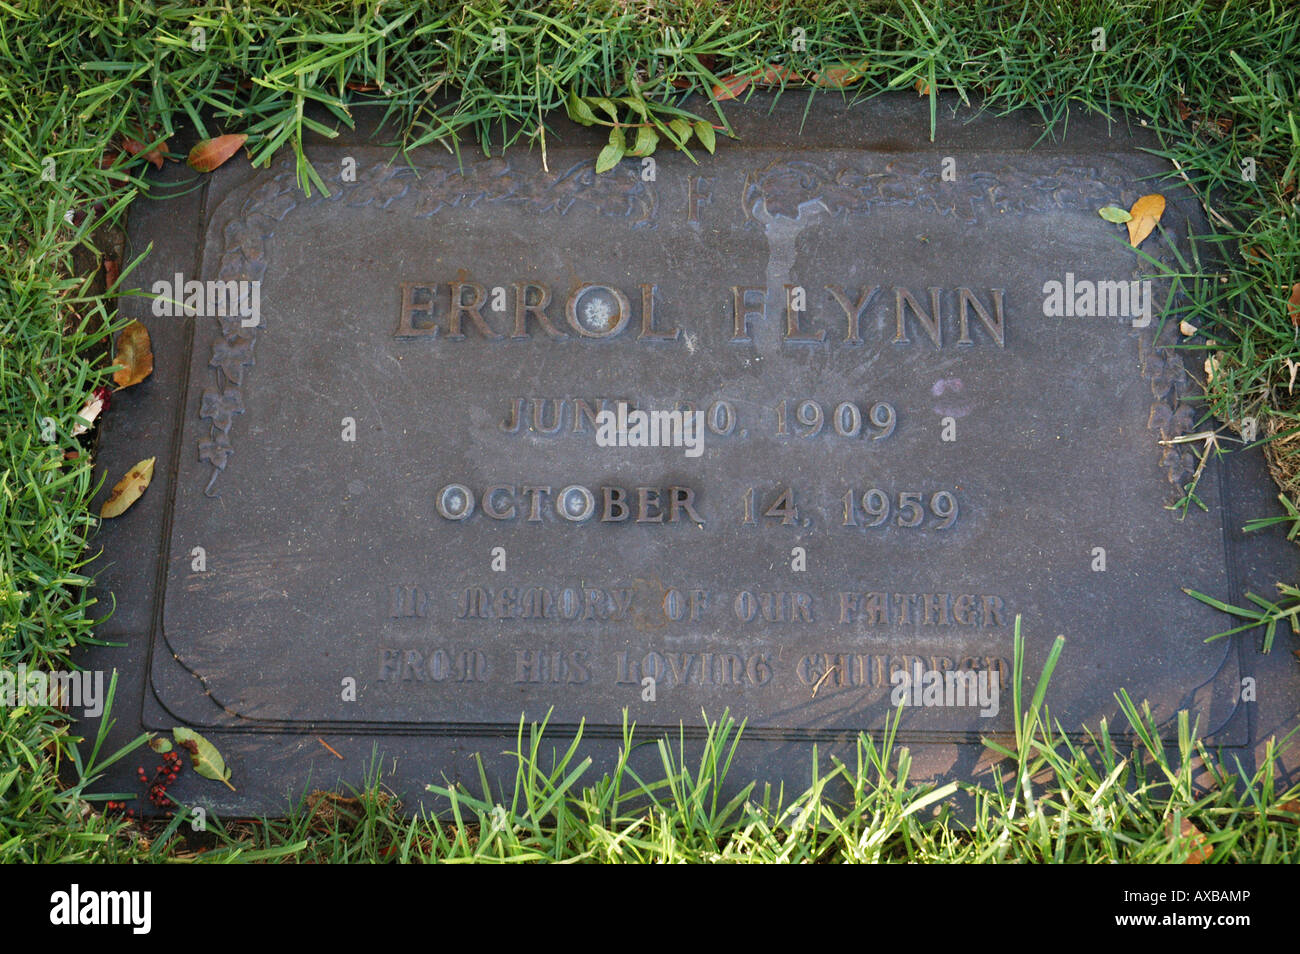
{"x":898,"y":437}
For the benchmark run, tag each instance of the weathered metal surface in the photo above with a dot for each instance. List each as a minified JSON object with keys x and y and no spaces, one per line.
{"x":903,"y":450}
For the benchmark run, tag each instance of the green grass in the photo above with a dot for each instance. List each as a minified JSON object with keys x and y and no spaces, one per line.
{"x":1217,"y":82}
{"x":1048,"y":799}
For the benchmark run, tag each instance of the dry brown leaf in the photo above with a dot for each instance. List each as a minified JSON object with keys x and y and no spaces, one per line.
{"x":211,"y":153}
{"x":1187,"y":328}
{"x":112,"y":170}
{"x":330,"y":805}
{"x":134,"y":352}
{"x":731,"y":87}
{"x":1293,"y":304}
{"x":922,"y":87}
{"x":334,"y":810}
{"x":840,"y":75}
{"x":154,"y":155}
{"x":1202,"y":849}
{"x":111,"y":272}
{"x":1145,"y":214}
{"x":773,"y":76}
{"x":128,"y":490}
{"x":1211,"y":368}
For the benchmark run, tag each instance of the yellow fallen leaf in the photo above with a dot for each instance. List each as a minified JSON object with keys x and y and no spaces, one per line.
{"x":204,"y":756}
{"x":128,"y":490}
{"x":1187,"y":328}
{"x":1145,"y":214}
{"x":135,"y":352}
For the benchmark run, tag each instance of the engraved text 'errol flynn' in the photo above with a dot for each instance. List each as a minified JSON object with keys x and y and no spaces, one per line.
{"x":456,"y":309}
